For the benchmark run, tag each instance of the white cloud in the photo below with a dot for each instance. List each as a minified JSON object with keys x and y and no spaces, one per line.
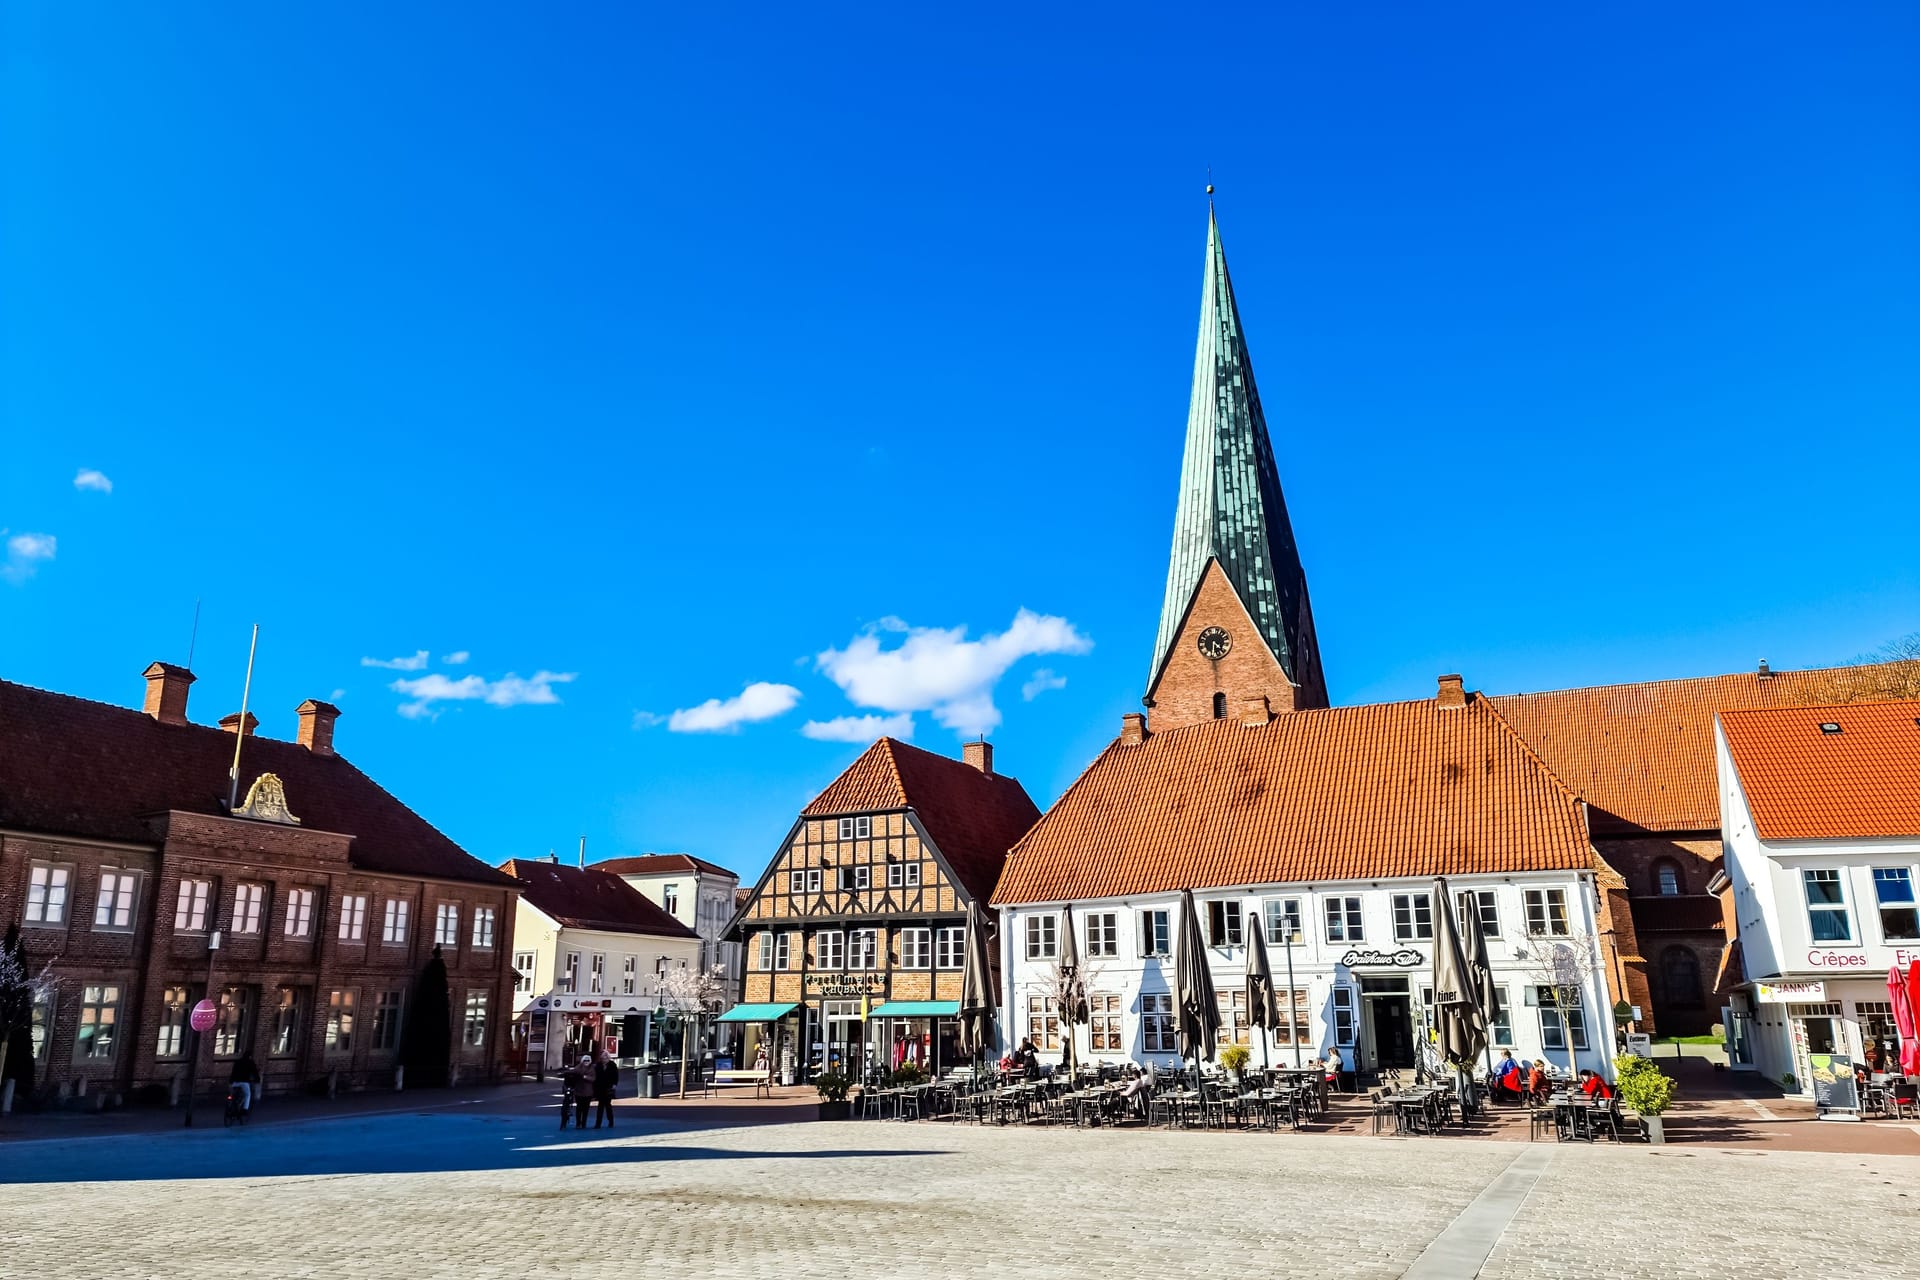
{"x":418,"y":662}
{"x":940,"y":670}
{"x":336,"y":695}
{"x":859,"y":728}
{"x":97,"y":481}
{"x":647,"y":719}
{"x":508,"y":691}
{"x":1040,"y":682}
{"x":25,"y":553}
{"x":458,"y":658}
{"x":758,"y":701}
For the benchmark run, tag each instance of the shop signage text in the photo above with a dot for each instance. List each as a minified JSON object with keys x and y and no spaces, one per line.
{"x":846,"y":984}
{"x":1783,"y":992}
{"x":1405,"y":958}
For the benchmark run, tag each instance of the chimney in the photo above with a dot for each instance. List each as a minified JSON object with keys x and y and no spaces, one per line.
{"x":979,"y":755}
{"x":1766,"y":672}
{"x":1133,"y":729}
{"x":231,"y":722}
{"x":316,"y":725}
{"x":1453,"y":692}
{"x":1256,"y":711}
{"x":167,"y":692}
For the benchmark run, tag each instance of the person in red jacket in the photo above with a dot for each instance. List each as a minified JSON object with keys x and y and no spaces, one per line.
{"x":1594,"y":1087}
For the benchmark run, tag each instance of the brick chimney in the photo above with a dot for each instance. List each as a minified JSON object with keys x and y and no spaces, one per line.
{"x":1256,"y":711}
{"x":316,"y":725}
{"x":1453,"y":692}
{"x":979,"y":755}
{"x":1133,"y":729}
{"x":167,"y":692}
{"x":1766,"y":672}
{"x":231,"y":722}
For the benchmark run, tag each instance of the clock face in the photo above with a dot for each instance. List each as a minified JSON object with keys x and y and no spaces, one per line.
{"x":1214,"y":643}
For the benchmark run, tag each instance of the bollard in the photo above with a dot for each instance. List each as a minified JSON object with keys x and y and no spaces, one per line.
{"x":6,"y":1097}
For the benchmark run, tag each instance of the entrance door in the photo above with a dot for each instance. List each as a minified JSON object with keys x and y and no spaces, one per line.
{"x":1391,"y":1025}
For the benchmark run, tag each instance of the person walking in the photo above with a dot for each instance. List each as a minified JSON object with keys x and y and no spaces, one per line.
{"x":575,"y":1087}
{"x":243,"y":1080}
{"x":606,"y":1078}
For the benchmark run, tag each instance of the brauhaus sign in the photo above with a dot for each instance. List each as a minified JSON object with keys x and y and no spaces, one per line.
{"x":1405,"y":958}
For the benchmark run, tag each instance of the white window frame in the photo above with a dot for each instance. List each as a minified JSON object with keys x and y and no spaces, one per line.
{"x":1344,"y":919}
{"x":393,"y":927}
{"x":1235,"y":1022}
{"x":483,"y":928}
{"x":1552,"y":1038}
{"x":49,"y":888}
{"x":863,"y":949}
{"x":446,"y":924}
{"x":570,"y":974}
{"x":863,"y":827}
{"x":1346,"y":1014}
{"x":670,"y":899}
{"x":950,"y":947}
{"x":782,"y":952}
{"x":629,"y":975}
{"x":1276,"y":914}
{"x":1904,"y":875}
{"x":1043,"y":1021}
{"x":846,"y":829}
{"x":763,"y":952}
{"x":99,"y":1022}
{"x":597,"y":974}
{"x":1407,"y":909}
{"x":190,"y":907}
{"x":797,"y":880}
{"x":1230,"y":915}
{"x":1842,"y":910}
{"x":298,"y":920}
{"x":1500,"y":1028}
{"x":249,"y":906}
{"x":1042,"y":934}
{"x":1106,"y":1022}
{"x":814,"y":879}
{"x":1541,"y":908}
{"x":353,"y":917}
{"x":524,"y":964}
{"x":473,"y":1027}
{"x":1103,"y":934}
{"x":1486,"y":905}
{"x":916,"y":948}
{"x":1157,"y":1033}
{"x":116,"y":900}
{"x":1156,"y":932}
{"x":830,"y":945}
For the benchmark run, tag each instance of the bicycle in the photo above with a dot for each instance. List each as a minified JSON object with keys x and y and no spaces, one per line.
{"x":234,"y":1112}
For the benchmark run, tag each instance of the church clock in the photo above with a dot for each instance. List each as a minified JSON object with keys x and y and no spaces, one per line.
{"x":1215,"y":643}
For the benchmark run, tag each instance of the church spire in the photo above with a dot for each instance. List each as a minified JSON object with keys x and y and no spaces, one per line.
{"x":1231,"y":510}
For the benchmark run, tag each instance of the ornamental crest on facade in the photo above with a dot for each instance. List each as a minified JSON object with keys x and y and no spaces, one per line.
{"x":267,"y":801}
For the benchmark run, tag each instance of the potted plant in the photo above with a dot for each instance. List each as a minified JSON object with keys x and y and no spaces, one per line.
{"x":907,"y":1075}
{"x":832,"y":1087}
{"x":1647,"y":1090}
{"x":1234,"y":1059}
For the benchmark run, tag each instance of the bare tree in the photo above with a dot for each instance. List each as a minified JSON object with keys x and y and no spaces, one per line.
{"x":689,"y":994}
{"x":1067,"y":987}
{"x":1889,"y":674}
{"x":1565,"y":965}
{"x":20,"y":989}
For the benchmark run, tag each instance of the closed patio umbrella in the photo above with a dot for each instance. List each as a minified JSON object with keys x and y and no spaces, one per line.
{"x":1263,"y":1003}
{"x":976,"y":988}
{"x":1913,"y":1003}
{"x":1198,"y":1018}
{"x":1073,"y":986}
{"x":1479,"y":968}
{"x":1459,"y":1020}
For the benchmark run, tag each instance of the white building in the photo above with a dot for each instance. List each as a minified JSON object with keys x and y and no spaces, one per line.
{"x":1328,"y":826}
{"x":1820,"y":810}
{"x":697,"y":893}
{"x":589,"y":951}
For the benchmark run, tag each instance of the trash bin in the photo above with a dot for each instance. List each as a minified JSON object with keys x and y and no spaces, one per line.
{"x":643,"y":1082}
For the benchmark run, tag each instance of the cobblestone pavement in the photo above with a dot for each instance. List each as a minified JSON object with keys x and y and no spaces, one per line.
{"x":503,"y":1196}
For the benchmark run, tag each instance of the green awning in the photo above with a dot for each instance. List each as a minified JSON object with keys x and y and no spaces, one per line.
{"x":757,"y":1012}
{"x":917,"y":1009}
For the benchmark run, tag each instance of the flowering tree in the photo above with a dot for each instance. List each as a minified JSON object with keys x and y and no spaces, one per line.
{"x":20,"y":988}
{"x":1564,"y":965}
{"x":689,"y":993}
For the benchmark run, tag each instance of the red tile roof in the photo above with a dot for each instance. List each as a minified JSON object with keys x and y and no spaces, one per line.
{"x":1393,"y":789}
{"x":74,"y":767}
{"x":972,"y":817}
{"x":1642,"y":754}
{"x":1804,"y":784}
{"x":590,"y":898}
{"x":655,"y":864}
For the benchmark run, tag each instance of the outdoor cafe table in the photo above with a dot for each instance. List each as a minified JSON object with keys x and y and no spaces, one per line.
{"x":1573,"y":1116}
{"x":1416,"y":1110}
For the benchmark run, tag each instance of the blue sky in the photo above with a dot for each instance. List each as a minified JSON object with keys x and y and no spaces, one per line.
{"x":654,"y":359}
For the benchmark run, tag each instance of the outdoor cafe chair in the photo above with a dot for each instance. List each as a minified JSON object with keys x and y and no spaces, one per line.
{"x":1539,"y":1118}
{"x":1382,"y":1109}
{"x":1903,"y":1096}
{"x":869,"y":1108}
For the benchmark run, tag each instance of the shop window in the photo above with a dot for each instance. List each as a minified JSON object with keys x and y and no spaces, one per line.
{"x":1680,"y":974}
{"x":40,"y":1026}
{"x":1413,"y":917}
{"x":1893,"y":888}
{"x":1294,"y":1028}
{"x":113,"y":905}
{"x":1666,"y":878}
{"x":1553,"y":1033}
{"x":1500,"y":1030}
{"x":1826,"y":905}
{"x":1156,"y":1022}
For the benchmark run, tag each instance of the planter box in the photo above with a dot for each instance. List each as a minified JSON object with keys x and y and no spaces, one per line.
{"x":835,"y":1110}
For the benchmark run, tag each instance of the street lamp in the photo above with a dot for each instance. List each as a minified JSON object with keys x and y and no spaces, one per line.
{"x":193,"y":1061}
{"x":1292,"y":929}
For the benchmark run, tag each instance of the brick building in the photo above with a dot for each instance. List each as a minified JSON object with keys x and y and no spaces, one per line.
{"x":121,"y":864}
{"x":864,"y":907}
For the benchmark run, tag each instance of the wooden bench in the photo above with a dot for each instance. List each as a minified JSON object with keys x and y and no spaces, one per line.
{"x":762,"y":1080}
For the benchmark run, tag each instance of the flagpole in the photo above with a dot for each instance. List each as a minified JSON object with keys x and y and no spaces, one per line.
{"x":240,"y":733}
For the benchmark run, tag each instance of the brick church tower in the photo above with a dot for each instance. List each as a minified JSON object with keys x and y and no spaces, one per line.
{"x":1236,"y":634}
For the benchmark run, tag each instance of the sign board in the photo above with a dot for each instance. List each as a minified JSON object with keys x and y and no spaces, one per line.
{"x":1406,"y":958}
{"x":1640,"y":1044}
{"x":203,"y":1016}
{"x":842,"y":985}
{"x":1834,"y":1086}
{"x":1789,"y":992}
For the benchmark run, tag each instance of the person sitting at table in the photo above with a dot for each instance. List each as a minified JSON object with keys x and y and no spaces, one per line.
{"x":1507,"y":1079}
{"x":1537,"y":1086}
{"x":1333,"y":1068}
{"x":1029,"y":1056}
{"x":1593,"y":1086}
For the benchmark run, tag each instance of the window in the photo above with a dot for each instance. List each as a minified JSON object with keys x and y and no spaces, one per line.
{"x":47,"y":887}
{"x":300,"y":912}
{"x":855,"y":877}
{"x":1225,"y":925}
{"x":782,"y":949}
{"x":1413,"y":917}
{"x":523,"y":963}
{"x":1156,"y":1022}
{"x":630,"y":976}
{"x":846,"y":828}
{"x":1296,"y":1026}
{"x":797,"y":880}
{"x":765,"y":949}
{"x":99,"y":1018}
{"x":813,"y":879}
{"x":1104,"y":1028}
{"x":831,"y":949}
{"x":394,"y":930}
{"x":1043,"y":1025}
{"x":1219,"y":706}
{"x":1043,"y":940}
{"x":473,"y":1032}
{"x":597,"y":975}
{"x":670,"y":899}
{"x":190,"y":909}
{"x":1893,"y":887}
{"x":1282,"y":919}
{"x":1233,"y":1016}
{"x":1666,"y":878}
{"x":1552,"y":1036}
{"x":483,"y":928}
{"x":1103,"y":934}
{"x":1343,"y":1015}
{"x":1156,"y":933}
{"x":916,"y":948}
{"x":446,"y":924}
{"x":386,"y":1019}
{"x":40,"y":1028}
{"x":903,"y":874}
{"x":172,"y":1039}
{"x":233,"y":1023}
{"x":339,"y":1035}
{"x":1500,"y":1030}
{"x":113,"y":905}
{"x":863,"y":949}
{"x":1487,"y":902}
{"x":353,"y":917}
{"x":856,"y":828}
{"x":1826,"y":906}
{"x":1343,"y":920}
{"x":1680,"y":975}
{"x":249,"y":901}
{"x":570,"y":974}
{"x":950,"y":948}
{"x":1547,"y":912}
{"x":286,"y":1023}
